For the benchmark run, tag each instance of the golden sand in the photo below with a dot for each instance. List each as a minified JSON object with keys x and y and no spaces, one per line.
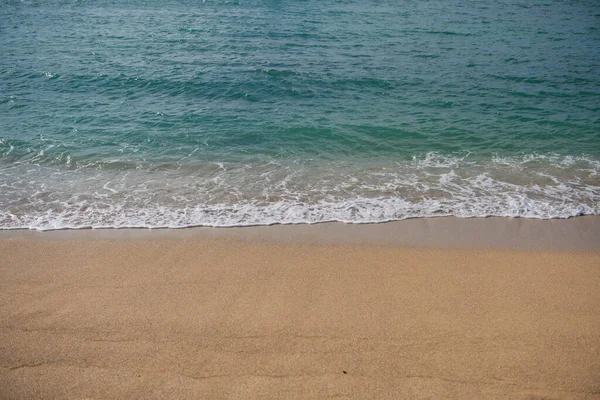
{"x":195,"y":317}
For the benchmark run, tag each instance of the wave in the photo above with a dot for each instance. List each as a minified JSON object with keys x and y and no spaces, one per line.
{"x":356,"y":211}
{"x":225,"y":194}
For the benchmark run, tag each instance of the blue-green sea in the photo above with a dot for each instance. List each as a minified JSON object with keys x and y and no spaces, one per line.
{"x":174,"y":113}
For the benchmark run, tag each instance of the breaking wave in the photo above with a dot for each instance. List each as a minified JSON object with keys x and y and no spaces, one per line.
{"x":302,"y":191}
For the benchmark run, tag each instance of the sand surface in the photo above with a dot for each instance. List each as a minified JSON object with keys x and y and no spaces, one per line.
{"x":197,"y":317}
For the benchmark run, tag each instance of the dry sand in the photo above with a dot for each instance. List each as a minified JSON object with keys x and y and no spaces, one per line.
{"x":177,"y":315}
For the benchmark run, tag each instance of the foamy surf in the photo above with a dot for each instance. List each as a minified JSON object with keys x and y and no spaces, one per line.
{"x":299,"y":192}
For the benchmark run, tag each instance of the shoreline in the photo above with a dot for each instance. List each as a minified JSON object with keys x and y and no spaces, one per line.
{"x":325,"y":311}
{"x":577,"y":233}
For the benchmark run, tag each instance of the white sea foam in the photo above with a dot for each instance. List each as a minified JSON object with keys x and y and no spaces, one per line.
{"x":228,"y":194}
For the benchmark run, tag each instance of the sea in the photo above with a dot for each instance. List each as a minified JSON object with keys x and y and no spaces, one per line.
{"x":178,"y":113}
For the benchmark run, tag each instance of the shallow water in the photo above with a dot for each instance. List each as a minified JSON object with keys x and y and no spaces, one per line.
{"x":179,"y":113}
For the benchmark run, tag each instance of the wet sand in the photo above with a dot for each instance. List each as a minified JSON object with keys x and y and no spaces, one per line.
{"x":423,"y":309}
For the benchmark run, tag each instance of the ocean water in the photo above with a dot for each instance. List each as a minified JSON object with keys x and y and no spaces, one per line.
{"x":175,"y":113}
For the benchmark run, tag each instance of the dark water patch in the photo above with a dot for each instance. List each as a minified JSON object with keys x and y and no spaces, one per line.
{"x":447,"y":33}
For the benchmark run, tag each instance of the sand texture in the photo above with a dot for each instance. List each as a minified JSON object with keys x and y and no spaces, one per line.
{"x":226,"y":318}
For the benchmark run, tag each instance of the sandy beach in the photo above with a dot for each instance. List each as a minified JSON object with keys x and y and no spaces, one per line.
{"x":441,"y":308}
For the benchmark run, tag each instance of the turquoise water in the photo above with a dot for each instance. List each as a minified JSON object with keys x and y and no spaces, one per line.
{"x":180,"y":113}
